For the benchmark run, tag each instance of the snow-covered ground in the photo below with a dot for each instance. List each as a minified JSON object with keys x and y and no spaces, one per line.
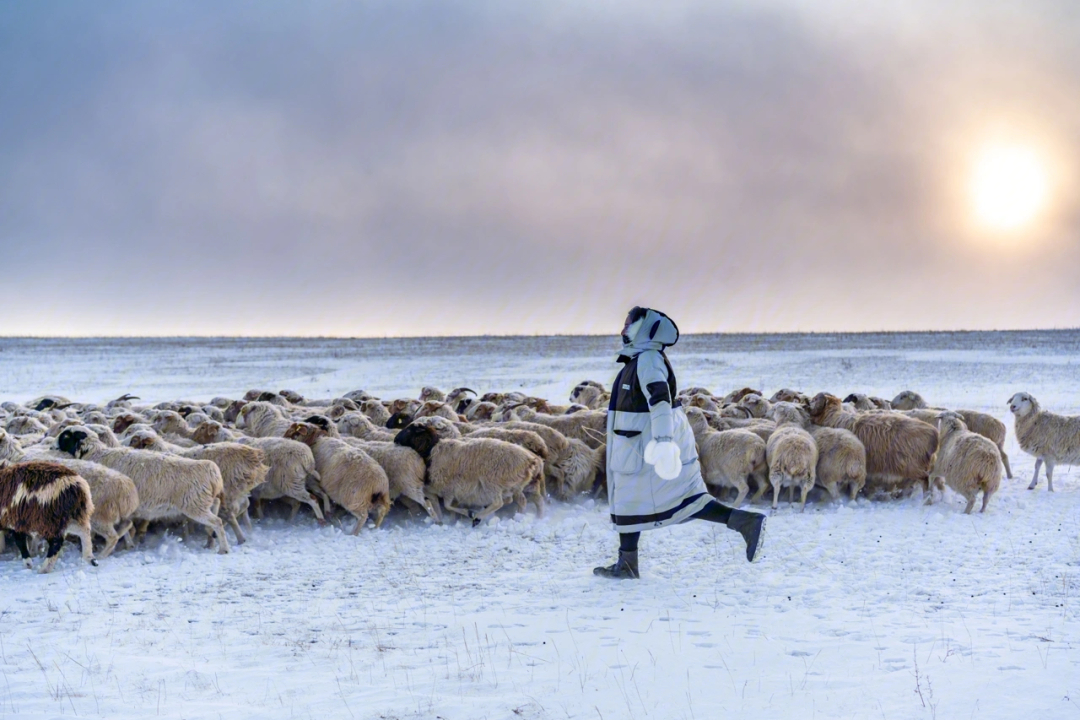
{"x":858,"y":610}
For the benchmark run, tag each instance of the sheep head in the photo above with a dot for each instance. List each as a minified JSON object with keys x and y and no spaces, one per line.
{"x":1022,"y":404}
{"x":72,"y":442}
{"x":823,"y":403}
{"x":141,"y":441}
{"x":908,"y":400}
{"x":399,"y":420}
{"x":304,"y":432}
{"x":206,"y":432}
{"x":233,"y":410}
{"x":292,"y":396}
{"x":123,"y":422}
{"x":421,"y":438}
{"x":320,"y":421}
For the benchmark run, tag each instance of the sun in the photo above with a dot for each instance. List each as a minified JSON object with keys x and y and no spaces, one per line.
{"x":1009,"y":188}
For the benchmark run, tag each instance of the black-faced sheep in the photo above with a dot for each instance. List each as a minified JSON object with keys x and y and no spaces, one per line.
{"x":480,"y":474}
{"x":48,"y":500}
{"x":168,"y":486}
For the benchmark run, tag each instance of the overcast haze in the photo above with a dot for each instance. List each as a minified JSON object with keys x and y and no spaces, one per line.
{"x":401,"y":168}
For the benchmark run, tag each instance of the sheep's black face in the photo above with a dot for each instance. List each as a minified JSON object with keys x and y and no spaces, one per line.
{"x":267,"y":397}
{"x":463,"y":405}
{"x":851,"y":398}
{"x":45,"y":404}
{"x":70,"y":441}
{"x":399,"y":420}
{"x":319,"y":421}
{"x":420,"y":439}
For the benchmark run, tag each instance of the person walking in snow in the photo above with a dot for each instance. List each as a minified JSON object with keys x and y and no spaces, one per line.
{"x":653,"y":475}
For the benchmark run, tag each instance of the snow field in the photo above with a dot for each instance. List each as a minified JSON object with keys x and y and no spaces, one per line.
{"x":858,"y":610}
{"x":506,"y":620}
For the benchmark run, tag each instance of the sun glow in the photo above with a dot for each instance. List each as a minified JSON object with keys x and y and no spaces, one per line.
{"x":1009,"y":188}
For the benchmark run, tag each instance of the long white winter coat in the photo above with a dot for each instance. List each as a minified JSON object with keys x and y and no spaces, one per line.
{"x":641,"y":410}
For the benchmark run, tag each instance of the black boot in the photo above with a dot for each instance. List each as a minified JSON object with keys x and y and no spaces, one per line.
{"x":751,"y":526}
{"x":625,"y":568}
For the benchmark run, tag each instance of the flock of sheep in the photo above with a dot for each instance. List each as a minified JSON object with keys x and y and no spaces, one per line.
{"x":72,"y":468}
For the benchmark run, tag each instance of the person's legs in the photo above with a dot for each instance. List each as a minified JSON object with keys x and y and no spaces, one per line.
{"x":750,"y":525}
{"x":626,"y":567}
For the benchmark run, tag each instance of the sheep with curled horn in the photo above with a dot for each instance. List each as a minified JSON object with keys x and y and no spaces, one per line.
{"x":48,"y":500}
{"x":476,"y":477}
{"x":977,"y":422}
{"x":292,"y":476}
{"x":458,"y":394}
{"x":899,"y":450}
{"x":351,"y":477}
{"x":168,"y":486}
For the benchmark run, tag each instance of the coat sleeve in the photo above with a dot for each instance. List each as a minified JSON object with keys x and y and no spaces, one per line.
{"x":653,"y":380}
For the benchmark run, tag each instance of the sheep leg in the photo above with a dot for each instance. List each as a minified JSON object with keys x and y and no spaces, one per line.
{"x":776,"y":492}
{"x":107,"y":531}
{"x":308,"y":499}
{"x":1005,"y":462}
{"x":53,"y":555}
{"x":1035,"y":475}
{"x":125,"y":530}
{"x":449,"y":505}
{"x":791,"y":493}
{"x":24,"y":551}
{"x":240,"y":539}
{"x":244,"y":513}
{"x":970,"y":503}
{"x":360,"y":520}
{"x":986,"y":499}
{"x":488,"y":511}
{"x":1050,"y":475}
{"x":259,"y":509}
{"x":802,"y":500}
{"x":213,"y":522}
{"x":741,"y":490}
{"x":762,"y":486}
{"x":82,"y":531}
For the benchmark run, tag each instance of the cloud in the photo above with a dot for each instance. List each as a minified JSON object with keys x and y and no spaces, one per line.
{"x":417,"y":168}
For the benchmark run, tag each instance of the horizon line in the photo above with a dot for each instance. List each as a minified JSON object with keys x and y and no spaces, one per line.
{"x":516,"y":336}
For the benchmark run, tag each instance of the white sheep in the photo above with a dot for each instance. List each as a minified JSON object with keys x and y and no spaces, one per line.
{"x":483,"y":473}
{"x":292,"y":474}
{"x":262,"y":419}
{"x":792,"y":455}
{"x":351,"y":477}
{"x":168,"y":486}
{"x":899,"y":450}
{"x":729,"y":458}
{"x":242,"y":468}
{"x":967,"y":462}
{"x":1052,"y":439}
{"x":978,"y":422}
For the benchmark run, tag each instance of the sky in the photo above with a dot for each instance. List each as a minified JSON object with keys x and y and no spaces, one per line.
{"x":410,"y":168}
